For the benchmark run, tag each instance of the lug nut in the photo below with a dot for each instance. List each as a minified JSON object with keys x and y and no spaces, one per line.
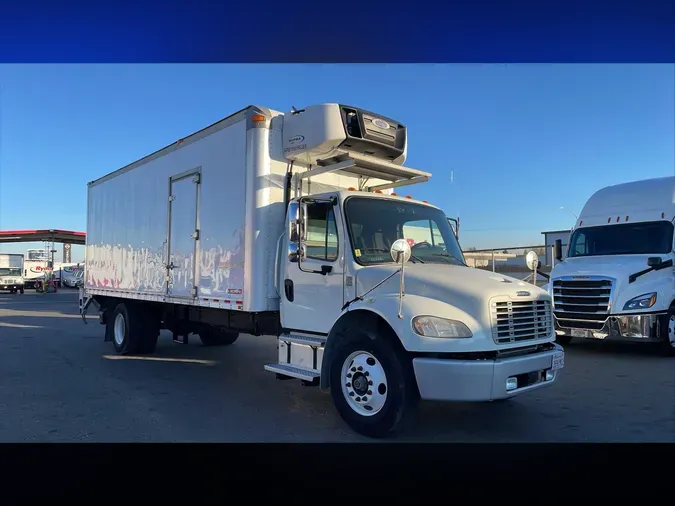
{"x":351,"y":393}
{"x":364,"y":399}
{"x":349,"y":375}
{"x":367,"y":373}
{"x":358,"y":399}
{"x":370,"y":392}
{"x":348,"y":385}
{"x":360,"y":368}
{"x":370,"y":383}
{"x":353,"y":369}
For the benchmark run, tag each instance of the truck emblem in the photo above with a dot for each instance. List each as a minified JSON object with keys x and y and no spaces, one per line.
{"x":381,"y":124}
{"x":295,"y":139}
{"x":522,"y":294}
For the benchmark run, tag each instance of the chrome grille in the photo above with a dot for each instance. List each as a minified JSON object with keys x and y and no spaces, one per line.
{"x":521,"y":320}
{"x":582,"y":303}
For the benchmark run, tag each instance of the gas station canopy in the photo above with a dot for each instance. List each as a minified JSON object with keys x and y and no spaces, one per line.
{"x":52,"y":235}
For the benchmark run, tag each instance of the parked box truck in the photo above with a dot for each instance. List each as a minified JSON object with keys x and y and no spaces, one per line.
{"x":287,"y":225}
{"x":618,"y":280}
{"x":11,"y":272}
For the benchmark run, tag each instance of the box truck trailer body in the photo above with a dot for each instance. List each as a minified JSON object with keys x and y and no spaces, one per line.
{"x":617,"y":281}
{"x":288,"y":225}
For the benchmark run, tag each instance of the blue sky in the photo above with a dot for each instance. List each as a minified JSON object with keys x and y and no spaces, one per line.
{"x":522,"y":140}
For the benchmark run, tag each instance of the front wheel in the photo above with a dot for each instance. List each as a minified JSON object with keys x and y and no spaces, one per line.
{"x":668,"y":331}
{"x":372,"y":385}
{"x":21,"y":290}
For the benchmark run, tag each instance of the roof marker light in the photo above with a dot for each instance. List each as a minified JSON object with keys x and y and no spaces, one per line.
{"x":394,"y":194}
{"x":378,"y":191}
{"x":408,"y":197}
{"x":351,"y":189}
{"x":626,"y":218}
{"x":257,"y":118}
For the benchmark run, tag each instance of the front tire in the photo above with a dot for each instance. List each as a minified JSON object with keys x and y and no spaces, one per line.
{"x":668,"y":331}
{"x":21,"y":290}
{"x":212,"y":336}
{"x":372,"y":385}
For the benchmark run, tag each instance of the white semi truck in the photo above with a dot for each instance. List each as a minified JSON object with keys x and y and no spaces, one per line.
{"x":11,"y":272}
{"x":287,"y":225}
{"x":618,"y":281}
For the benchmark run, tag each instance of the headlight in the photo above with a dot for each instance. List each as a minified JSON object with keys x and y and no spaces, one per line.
{"x":644,"y":301}
{"x":431,"y":326}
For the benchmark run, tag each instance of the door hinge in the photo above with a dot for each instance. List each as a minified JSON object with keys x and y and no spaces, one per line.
{"x":193,"y":292}
{"x":171,"y":198}
{"x":195,"y":235}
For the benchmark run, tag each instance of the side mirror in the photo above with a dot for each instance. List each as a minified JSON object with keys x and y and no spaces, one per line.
{"x":400,"y":251}
{"x":297,"y":231}
{"x":558,"y":250}
{"x":293,"y":222}
{"x":654,"y":261}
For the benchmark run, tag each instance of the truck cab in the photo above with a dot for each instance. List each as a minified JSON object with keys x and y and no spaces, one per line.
{"x":11,"y":273}
{"x":617,"y":281}
{"x":378,"y":305}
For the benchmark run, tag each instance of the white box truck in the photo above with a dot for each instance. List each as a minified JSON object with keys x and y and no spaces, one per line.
{"x":617,"y":281}
{"x":11,"y":272}
{"x":287,"y":225}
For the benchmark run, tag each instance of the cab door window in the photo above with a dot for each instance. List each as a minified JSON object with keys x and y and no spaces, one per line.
{"x":322,"y":236}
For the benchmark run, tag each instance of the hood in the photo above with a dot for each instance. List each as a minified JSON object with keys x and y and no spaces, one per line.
{"x":463,"y":287}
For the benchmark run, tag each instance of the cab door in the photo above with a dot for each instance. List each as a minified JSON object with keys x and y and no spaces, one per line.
{"x":311,"y":291}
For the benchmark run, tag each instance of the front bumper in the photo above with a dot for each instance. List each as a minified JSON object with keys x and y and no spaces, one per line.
{"x":636,"y":328}
{"x":13,"y":286}
{"x":486,"y":380}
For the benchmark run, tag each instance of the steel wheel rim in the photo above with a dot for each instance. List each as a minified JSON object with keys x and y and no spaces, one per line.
{"x":119,"y":330}
{"x":364,"y":383}
{"x":671,"y":331}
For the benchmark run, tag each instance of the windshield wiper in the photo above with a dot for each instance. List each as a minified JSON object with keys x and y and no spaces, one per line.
{"x":382,"y":250}
{"x":662,"y":265}
{"x":448,"y":255}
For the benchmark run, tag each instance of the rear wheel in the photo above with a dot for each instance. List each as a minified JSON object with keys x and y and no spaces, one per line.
{"x":131,"y":331}
{"x":213,"y":336}
{"x":372,"y":385}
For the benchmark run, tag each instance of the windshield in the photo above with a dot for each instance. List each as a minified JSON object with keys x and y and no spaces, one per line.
{"x":10,"y":271}
{"x":624,"y":239}
{"x":374,"y":224}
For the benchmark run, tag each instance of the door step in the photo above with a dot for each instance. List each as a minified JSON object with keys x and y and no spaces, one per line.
{"x":304,"y":340}
{"x":292,"y":371}
{"x":300,"y":357}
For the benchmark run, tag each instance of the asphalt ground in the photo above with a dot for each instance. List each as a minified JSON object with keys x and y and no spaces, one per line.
{"x":60,"y":382}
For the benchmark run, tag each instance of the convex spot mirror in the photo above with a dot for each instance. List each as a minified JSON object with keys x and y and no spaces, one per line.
{"x":400,"y":251}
